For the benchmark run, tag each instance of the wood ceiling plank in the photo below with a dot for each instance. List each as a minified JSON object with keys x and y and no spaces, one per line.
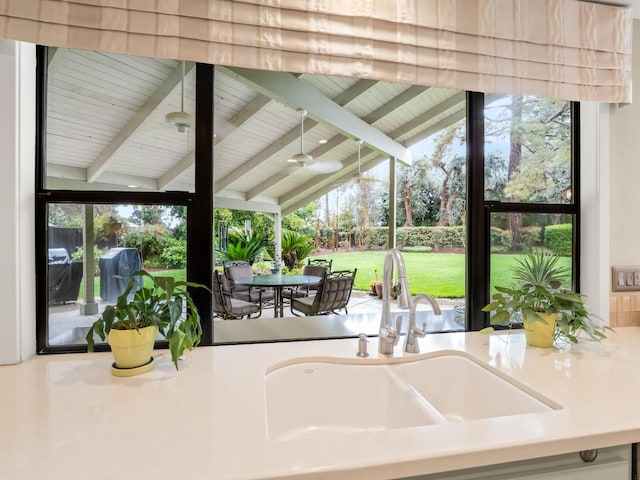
{"x":100,"y":164}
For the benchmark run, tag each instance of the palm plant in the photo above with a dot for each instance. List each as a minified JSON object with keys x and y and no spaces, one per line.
{"x":295,"y":247}
{"x":242,"y":246}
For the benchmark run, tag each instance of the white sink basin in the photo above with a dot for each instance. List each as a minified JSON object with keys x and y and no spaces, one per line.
{"x":322,"y":398}
{"x":314,"y":399}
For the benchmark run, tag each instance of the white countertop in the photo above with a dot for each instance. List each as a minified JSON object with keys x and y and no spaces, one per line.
{"x":62,"y":416}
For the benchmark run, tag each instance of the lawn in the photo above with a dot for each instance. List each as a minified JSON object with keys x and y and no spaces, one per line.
{"x":438,"y":274}
{"x":441,"y":275}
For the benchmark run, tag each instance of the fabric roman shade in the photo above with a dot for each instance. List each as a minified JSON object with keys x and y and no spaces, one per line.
{"x":567,"y":49}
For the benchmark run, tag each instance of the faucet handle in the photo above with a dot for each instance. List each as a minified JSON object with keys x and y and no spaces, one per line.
{"x":410,"y":343}
{"x":398,"y":327}
{"x":389,"y":337}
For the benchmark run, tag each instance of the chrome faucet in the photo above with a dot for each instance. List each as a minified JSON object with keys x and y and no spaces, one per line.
{"x":410,"y":343}
{"x":389,"y":335}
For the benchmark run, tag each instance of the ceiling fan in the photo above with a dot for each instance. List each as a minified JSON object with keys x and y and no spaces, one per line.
{"x":181,"y":120}
{"x":305,"y":160}
{"x":359,"y":177}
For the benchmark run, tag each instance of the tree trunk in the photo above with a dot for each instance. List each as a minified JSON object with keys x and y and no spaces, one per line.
{"x":514,"y":220}
{"x":406,"y":190}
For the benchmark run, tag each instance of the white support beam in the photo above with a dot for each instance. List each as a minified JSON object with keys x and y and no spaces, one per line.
{"x":405,"y":97}
{"x":309,"y":187}
{"x":101,"y":163}
{"x":175,"y":171}
{"x":75,"y":178}
{"x":283,"y":175}
{"x":260,"y":157}
{"x":296,"y":93}
{"x":240,"y":118}
{"x":288,"y":208}
{"x":398,"y":101}
{"x":239,"y":204}
{"x":346,"y":97}
{"x":436,"y":127}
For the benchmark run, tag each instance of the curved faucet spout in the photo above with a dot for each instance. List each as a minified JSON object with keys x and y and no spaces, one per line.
{"x":413,"y":332}
{"x":389,"y":336}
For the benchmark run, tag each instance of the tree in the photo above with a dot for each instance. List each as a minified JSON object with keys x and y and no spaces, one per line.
{"x":538,"y":132}
{"x":147,"y":214}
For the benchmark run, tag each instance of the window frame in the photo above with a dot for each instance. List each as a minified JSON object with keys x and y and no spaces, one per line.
{"x":200,"y":205}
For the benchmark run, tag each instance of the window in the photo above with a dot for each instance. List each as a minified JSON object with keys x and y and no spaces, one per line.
{"x":109,"y":164}
{"x":496,"y":179}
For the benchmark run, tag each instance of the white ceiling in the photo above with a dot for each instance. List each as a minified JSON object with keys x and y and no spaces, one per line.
{"x":107,"y":129}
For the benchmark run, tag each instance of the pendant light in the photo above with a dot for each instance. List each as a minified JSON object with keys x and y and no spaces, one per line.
{"x":301,"y":158}
{"x":305,"y":160}
{"x":181,"y":120}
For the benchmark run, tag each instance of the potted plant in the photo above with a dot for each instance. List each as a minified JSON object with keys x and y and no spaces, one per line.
{"x":376,"y":285}
{"x":546,"y":310}
{"x":132,"y":324}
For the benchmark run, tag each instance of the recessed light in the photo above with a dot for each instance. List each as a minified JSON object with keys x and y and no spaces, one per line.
{"x":322,"y":141}
{"x":132,"y":186}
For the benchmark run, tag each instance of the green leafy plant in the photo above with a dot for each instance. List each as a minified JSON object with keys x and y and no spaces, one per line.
{"x":242,"y":246}
{"x":538,"y":289}
{"x":163,"y":302}
{"x":295,"y":248}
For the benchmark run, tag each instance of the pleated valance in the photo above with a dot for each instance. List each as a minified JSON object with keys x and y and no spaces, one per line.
{"x":567,"y":49}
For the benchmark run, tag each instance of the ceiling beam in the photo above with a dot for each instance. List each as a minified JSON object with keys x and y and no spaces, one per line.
{"x":283,"y":175}
{"x":241,"y":117}
{"x":101,"y":163}
{"x":296,"y":93}
{"x":292,"y":207}
{"x":75,"y":178}
{"x":312,"y":184}
{"x":310,"y":189}
{"x":346,"y":97}
{"x":262,"y":156}
{"x":398,"y":101}
{"x":176,"y":170}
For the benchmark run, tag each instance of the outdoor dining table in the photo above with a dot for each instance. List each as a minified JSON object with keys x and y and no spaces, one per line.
{"x":278,"y":282}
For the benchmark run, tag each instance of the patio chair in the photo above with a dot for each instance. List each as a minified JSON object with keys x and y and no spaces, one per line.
{"x":333,"y":295}
{"x":227,"y":307}
{"x":312,"y":289}
{"x":321,"y":262}
{"x":235,"y":271}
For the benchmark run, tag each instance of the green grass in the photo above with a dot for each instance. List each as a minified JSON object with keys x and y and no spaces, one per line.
{"x":441,"y":275}
{"x":438,"y":274}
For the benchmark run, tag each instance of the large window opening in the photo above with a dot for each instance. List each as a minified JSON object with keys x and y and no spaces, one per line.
{"x":123,"y":139}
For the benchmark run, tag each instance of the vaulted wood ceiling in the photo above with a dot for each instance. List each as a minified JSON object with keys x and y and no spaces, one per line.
{"x":107,"y":128}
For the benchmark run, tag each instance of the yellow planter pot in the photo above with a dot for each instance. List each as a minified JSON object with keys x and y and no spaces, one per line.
{"x":132,"y":348}
{"x":540,"y":334}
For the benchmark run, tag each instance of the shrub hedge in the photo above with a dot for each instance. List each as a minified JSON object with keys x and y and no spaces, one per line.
{"x":559,"y":238}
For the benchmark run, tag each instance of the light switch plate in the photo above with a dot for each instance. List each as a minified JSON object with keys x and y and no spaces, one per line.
{"x":625,"y":278}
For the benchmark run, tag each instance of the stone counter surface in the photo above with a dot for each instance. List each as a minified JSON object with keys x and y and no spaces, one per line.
{"x":66,"y":416}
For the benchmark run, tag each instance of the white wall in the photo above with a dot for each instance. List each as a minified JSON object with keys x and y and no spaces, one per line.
{"x":594,"y":207}
{"x":17,"y":201}
{"x":625,"y":171}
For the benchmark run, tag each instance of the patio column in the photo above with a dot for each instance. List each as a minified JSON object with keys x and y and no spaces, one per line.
{"x":392,"y":203}
{"x":90,"y":306}
{"x":278,"y":236}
